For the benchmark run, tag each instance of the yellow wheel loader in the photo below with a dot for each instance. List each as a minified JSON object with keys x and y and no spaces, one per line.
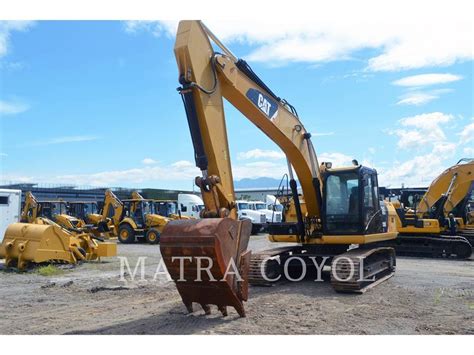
{"x":429,"y":227}
{"x":140,"y":221}
{"x":341,"y":205}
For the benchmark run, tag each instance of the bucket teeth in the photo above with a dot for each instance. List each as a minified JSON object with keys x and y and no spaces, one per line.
{"x":223,"y":310}
{"x":206,"y":308}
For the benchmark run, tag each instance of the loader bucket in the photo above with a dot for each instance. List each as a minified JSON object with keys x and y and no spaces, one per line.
{"x":26,"y":243}
{"x":219,"y":244}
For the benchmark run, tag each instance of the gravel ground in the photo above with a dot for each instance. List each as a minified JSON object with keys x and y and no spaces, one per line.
{"x":424,"y":297}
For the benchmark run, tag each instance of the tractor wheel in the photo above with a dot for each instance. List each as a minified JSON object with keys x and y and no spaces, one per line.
{"x":126,"y":234}
{"x":153,"y":236}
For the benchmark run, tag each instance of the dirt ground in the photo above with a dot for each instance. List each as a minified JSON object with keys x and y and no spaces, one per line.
{"x":424,"y":297}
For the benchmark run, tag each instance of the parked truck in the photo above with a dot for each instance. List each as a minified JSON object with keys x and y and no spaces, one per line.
{"x":190,"y":205}
{"x":245,"y":211}
{"x":270,"y":214}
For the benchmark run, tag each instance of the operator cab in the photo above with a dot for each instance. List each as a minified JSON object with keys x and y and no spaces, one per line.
{"x":50,"y":209}
{"x":165,"y":208}
{"x":138,"y":210}
{"x":82,"y":209}
{"x":351,"y":202}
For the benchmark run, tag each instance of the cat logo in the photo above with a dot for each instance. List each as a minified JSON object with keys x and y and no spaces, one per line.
{"x":263,"y":104}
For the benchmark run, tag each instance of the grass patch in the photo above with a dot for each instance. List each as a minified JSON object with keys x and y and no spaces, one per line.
{"x":49,"y":270}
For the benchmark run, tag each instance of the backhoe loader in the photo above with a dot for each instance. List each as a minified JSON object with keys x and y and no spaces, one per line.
{"x":169,"y":208}
{"x":140,"y":221}
{"x":105,"y":221}
{"x":55,"y":211}
{"x":429,"y":227}
{"x":341,"y":205}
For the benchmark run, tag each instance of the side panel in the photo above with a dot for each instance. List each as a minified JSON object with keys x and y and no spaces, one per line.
{"x":10,"y":209}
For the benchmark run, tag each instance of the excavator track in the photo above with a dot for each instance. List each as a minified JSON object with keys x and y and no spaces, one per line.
{"x":271,"y":268}
{"x":443,"y":246}
{"x":360,"y":269}
{"x":378,"y":264}
{"x":468,"y":234}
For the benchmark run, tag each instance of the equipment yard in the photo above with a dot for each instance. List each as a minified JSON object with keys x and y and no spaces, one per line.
{"x":425,"y":296}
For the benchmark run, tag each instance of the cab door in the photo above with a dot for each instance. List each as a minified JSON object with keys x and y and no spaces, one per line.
{"x":372,"y":213}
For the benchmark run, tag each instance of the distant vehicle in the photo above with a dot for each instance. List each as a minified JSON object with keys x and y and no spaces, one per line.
{"x":10,"y":209}
{"x":273,"y":204}
{"x":270,"y":214}
{"x":190,"y":205}
{"x":245,"y":211}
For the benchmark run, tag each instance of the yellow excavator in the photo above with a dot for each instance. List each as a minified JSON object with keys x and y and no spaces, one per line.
{"x":429,"y":227}
{"x":339,"y":208}
{"x":140,"y":221}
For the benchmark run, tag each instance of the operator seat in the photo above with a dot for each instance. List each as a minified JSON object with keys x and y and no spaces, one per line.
{"x":354,"y":201}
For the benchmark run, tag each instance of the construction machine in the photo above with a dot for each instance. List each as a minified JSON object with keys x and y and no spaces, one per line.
{"x":46,"y":233}
{"x":140,"y":221}
{"x":428,"y":227}
{"x":169,"y":209}
{"x":339,"y":207}
{"x":56,"y":211}
{"x":45,"y":241}
{"x":106,"y":220}
{"x":84,"y":210}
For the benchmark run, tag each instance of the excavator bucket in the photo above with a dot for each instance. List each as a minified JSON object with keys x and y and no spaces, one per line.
{"x":208,"y":261}
{"x":26,"y":243}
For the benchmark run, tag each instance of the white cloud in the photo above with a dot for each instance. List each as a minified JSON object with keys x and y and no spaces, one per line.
{"x":423,"y":36}
{"x":3,"y":155}
{"x":154,"y":175}
{"x":416,"y":172}
{"x":337,"y":159}
{"x":419,"y":98}
{"x":6,"y":27}
{"x":468,"y":152}
{"x":156,"y":28}
{"x":63,"y":140}
{"x":149,"y":161}
{"x":12,"y":108}
{"x":416,"y":98}
{"x":426,"y":80}
{"x":258,"y":169}
{"x":467,"y":134}
{"x":259,"y":154}
{"x":183,"y":164}
{"x":434,"y":151}
{"x":424,"y":129}
{"x":182,"y":170}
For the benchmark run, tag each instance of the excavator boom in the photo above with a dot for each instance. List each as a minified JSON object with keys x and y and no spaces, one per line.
{"x":448,"y":189}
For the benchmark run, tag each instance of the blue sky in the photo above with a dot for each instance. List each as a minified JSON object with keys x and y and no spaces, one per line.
{"x":95,"y":103}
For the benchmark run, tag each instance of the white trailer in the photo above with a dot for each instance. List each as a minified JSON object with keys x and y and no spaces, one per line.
{"x":10,"y":209}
